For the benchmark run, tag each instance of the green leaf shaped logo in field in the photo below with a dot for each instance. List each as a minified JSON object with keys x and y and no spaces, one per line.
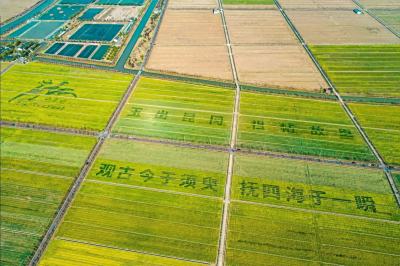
{"x":46,"y":88}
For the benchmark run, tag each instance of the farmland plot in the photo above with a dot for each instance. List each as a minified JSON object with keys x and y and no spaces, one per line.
{"x":317,"y":4}
{"x":266,"y":235}
{"x":206,"y":4}
{"x":60,"y":252}
{"x":178,"y":111}
{"x":340,"y":27}
{"x":37,"y":169}
{"x":148,"y":221}
{"x":313,"y":185}
{"x":391,"y":17}
{"x":380,"y":3}
{"x":191,"y":42}
{"x":299,"y":125}
{"x":362,"y":70}
{"x":382,"y":124}
{"x":268,"y":54}
{"x":161,"y":166}
{"x":60,"y":96}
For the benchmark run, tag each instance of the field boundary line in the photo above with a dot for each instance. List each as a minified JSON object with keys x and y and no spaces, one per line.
{"x":316,"y":211}
{"x":7,"y":68}
{"x":127,"y":250}
{"x":345,"y":107}
{"x":159,"y":190}
{"x":211,"y":147}
{"x":51,"y":129}
{"x":389,"y":28}
{"x":222,"y":243}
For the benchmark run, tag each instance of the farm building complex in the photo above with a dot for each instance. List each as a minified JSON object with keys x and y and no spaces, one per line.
{"x":200,"y":132}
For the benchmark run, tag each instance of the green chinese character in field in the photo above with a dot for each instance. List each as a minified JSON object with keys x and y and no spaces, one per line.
{"x":135,"y":112}
{"x":271,"y":191}
{"x":188,"y":117}
{"x":258,"y":125}
{"x":249,"y":189}
{"x":317,"y":197}
{"x":317,"y":130}
{"x":209,"y":183}
{"x":287,"y":127}
{"x":216,"y":120}
{"x":296,"y":194}
{"x":161,"y":114}
{"x":346,"y":133}
{"x":47,"y":88}
{"x":365,"y":203}
{"x":188,"y":181}
{"x":166,"y":177}
{"x":125,"y":172}
{"x":146,"y":175}
{"x":106,"y":170}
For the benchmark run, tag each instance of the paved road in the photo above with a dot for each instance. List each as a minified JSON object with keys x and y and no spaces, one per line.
{"x":344,"y":106}
{"x":234,"y":130}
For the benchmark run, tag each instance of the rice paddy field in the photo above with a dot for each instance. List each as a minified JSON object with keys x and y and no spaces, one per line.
{"x":370,"y":71}
{"x":272,"y":235}
{"x":314,"y":186}
{"x":37,"y":170}
{"x":155,"y":215}
{"x":298,"y":125}
{"x":162,"y":167}
{"x":166,"y":178}
{"x":390,"y":17}
{"x":61,"y":96}
{"x":178,"y":111}
{"x":382,"y":124}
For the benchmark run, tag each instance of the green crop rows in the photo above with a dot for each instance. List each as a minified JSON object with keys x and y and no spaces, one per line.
{"x":162,"y":167}
{"x":262,"y":235}
{"x":382,"y":124}
{"x":298,"y":125}
{"x":313,"y":185}
{"x":37,"y":169}
{"x":149,"y":201}
{"x":61,"y":250}
{"x":178,"y":111}
{"x":362,"y":70}
{"x":61,"y":96}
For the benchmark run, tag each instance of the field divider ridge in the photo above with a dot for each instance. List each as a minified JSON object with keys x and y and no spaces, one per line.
{"x":84,"y":171}
{"x":7,"y":68}
{"x":349,"y":113}
{"x":234,"y":130}
{"x":71,"y":131}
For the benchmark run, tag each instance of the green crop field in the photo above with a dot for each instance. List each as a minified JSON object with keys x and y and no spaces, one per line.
{"x":168,"y":201}
{"x":313,"y":185}
{"x":37,"y":169}
{"x":178,"y":111}
{"x":262,"y":235}
{"x":396,"y":176}
{"x":368,"y":70}
{"x":248,"y":2}
{"x":61,"y":96}
{"x":123,"y":217}
{"x":299,"y":125}
{"x":382,"y":124}
{"x":390,"y":17}
{"x":67,"y":253}
{"x":161,"y":166}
